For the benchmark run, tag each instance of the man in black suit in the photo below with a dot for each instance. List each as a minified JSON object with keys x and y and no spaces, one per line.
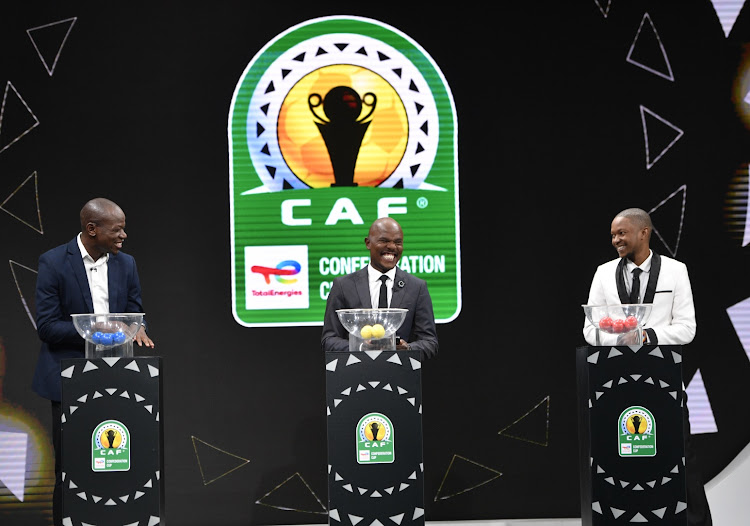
{"x":361,"y":290}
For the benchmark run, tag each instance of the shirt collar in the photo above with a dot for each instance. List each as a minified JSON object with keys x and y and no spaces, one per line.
{"x":87,"y":257}
{"x":374,"y":274}
{"x":645,"y":266}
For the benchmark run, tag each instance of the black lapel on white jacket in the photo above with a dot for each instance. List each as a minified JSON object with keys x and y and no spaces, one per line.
{"x":653,"y":277}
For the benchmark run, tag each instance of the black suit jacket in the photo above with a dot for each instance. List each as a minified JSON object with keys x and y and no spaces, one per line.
{"x":409,"y":292}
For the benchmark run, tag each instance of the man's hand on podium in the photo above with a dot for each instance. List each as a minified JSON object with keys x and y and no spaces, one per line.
{"x":141,"y":338}
{"x":629,"y":338}
{"x":402,"y":345}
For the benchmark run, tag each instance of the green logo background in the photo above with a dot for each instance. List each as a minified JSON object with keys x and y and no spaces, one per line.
{"x":642,"y":444}
{"x":380,"y":451}
{"x":430,"y":221}
{"x":107,"y":459}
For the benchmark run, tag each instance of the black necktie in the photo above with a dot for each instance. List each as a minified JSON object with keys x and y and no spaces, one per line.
{"x":383,"y":301}
{"x":635,"y":291}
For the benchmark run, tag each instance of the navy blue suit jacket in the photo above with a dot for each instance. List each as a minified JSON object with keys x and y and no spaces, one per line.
{"x":62,"y":289}
{"x":409,"y":292}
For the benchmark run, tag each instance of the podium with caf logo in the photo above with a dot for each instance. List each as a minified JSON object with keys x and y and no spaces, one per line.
{"x":632,"y":461}
{"x":112,"y":433}
{"x":374,"y":422}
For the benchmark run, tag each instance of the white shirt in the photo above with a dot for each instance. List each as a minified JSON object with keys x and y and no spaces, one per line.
{"x":96,"y":272}
{"x":374,"y":278}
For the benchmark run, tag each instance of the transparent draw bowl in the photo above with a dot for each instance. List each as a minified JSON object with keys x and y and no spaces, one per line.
{"x":616,"y":319}
{"x":372,"y":323}
{"x":108,"y":330}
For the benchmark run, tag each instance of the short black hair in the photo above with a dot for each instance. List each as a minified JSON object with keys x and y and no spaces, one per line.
{"x":638,"y":216}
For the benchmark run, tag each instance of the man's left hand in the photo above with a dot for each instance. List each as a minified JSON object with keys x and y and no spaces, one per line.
{"x":141,"y":338}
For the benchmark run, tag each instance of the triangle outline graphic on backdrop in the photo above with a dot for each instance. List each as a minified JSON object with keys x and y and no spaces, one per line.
{"x":294,"y":477}
{"x":15,"y":193}
{"x":46,"y":30}
{"x":668,"y":75}
{"x":512,"y":428}
{"x":4,"y":106}
{"x":645,"y":112}
{"x":197,"y":440}
{"x":13,"y":266}
{"x":671,"y":247}
{"x":480,"y":481}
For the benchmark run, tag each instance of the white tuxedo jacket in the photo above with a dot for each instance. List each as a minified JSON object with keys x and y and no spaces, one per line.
{"x":672,"y":319}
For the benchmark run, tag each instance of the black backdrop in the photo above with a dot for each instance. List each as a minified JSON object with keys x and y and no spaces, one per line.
{"x":551,"y":146}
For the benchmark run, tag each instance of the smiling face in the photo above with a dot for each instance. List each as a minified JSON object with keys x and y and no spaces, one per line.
{"x":385,"y":243}
{"x":104,"y":230}
{"x":630,"y":239}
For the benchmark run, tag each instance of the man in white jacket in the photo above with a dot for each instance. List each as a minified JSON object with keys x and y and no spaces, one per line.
{"x":663,"y":282}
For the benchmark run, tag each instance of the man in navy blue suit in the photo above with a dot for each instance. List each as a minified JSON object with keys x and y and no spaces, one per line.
{"x":89,"y":274}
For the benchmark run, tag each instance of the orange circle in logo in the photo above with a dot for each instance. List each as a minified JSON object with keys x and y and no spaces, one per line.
{"x":375,"y":430}
{"x":641,"y":422}
{"x":111,"y":438}
{"x":300,"y":126}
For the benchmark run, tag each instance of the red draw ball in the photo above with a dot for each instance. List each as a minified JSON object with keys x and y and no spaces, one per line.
{"x":618,"y":325}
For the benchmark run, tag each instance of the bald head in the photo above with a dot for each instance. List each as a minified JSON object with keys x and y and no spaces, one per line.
{"x":102,"y":227}
{"x":98,"y":210}
{"x":385,"y":242}
{"x":383,"y":223}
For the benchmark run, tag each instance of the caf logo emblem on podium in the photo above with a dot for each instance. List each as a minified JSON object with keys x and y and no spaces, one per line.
{"x":637,"y":432}
{"x":375,"y":439}
{"x":110,"y":447}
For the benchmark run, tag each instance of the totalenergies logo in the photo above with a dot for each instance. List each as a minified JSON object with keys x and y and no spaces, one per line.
{"x":285,"y":268}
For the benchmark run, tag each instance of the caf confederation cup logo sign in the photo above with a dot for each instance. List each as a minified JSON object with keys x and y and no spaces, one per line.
{"x":341,"y":110}
{"x":637,"y":432}
{"x":334,"y":123}
{"x":375,"y":439}
{"x":110,"y":447}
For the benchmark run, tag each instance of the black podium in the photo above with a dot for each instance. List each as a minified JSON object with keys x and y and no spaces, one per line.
{"x":112,"y":446}
{"x":374,"y":407}
{"x":632,"y":461}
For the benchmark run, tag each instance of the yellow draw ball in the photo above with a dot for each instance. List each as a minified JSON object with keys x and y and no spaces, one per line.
{"x":378,"y":331}
{"x":366,"y":332}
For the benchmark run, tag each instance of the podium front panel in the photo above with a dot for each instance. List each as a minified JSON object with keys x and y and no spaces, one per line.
{"x":112,"y":445}
{"x":374,"y":408}
{"x":632,"y":461}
